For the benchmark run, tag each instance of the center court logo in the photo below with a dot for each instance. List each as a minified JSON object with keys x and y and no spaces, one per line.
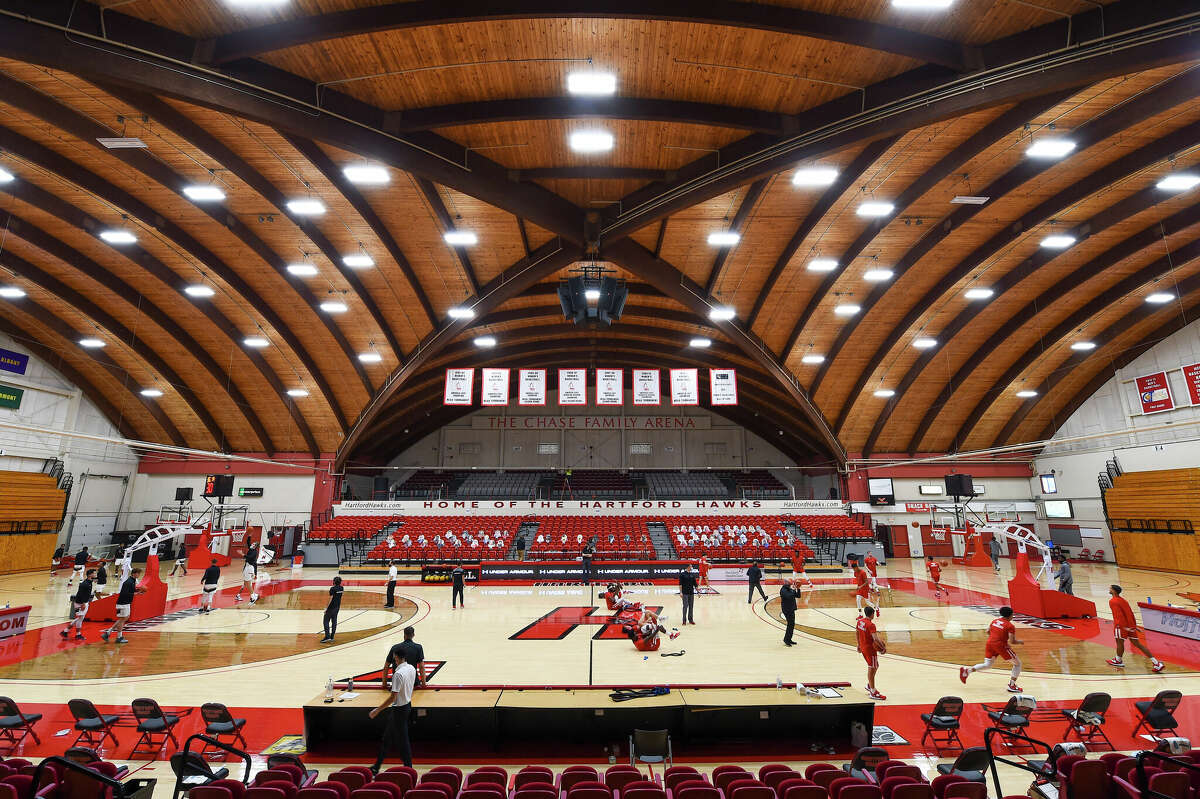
{"x":560,"y":622}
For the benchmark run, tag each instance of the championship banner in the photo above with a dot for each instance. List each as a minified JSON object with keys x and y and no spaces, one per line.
{"x":1154,"y":393}
{"x":572,"y":386}
{"x":645,"y":387}
{"x":459,"y":385}
{"x":610,"y":386}
{"x":14,"y":362}
{"x":722,"y":386}
{"x":531,"y":387}
{"x":1191,"y":376}
{"x":685,"y":386}
{"x":493,"y":385}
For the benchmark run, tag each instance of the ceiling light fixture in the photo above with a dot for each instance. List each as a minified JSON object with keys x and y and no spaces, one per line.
{"x":204,"y":194}
{"x":878,"y":275}
{"x":92,"y":343}
{"x":721,"y":313}
{"x":591,"y":141}
{"x":297,"y":392}
{"x":812,"y":358}
{"x":925,"y":343}
{"x":847,"y":310}
{"x":1026,"y":393}
{"x":256,"y":342}
{"x":1180,"y":181}
{"x":814,"y":176}
{"x":11,"y":292}
{"x":978,"y":293}
{"x":591,"y":294}
{"x":370,"y":357}
{"x":121,"y":142}
{"x":334,"y":306}
{"x":700,"y":342}
{"x":1058,"y":241}
{"x":591,"y":84}
{"x":822,"y":265}
{"x":358,"y":260}
{"x":885,"y":393}
{"x":306,"y":206}
{"x":118,"y":236}
{"x":459,"y":312}
{"x":923,"y":5}
{"x":724,"y":238}
{"x":1050,"y":148}
{"x":198,"y":290}
{"x":460,"y":238}
{"x":367,"y":174}
{"x":1159,"y":297}
{"x":150,"y":392}
{"x":970,"y":199}
{"x":1083,"y":346}
{"x":302,"y":270}
{"x":485,"y":341}
{"x":874,"y":208}
{"x":6,"y":176}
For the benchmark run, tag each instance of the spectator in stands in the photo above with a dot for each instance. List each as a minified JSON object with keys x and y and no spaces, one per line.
{"x":391,"y":585}
{"x":399,"y":706}
{"x":754,"y":575}
{"x":787,"y":606}
{"x":687,"y":591}
{"x":1066,"y":582}
{"x":81,"y":559}
{"x":457,"y":580}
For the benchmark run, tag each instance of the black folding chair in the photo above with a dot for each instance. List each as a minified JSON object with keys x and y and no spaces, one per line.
{"x":1087,"y":720}
{"x":152,"y":722}
{"x":218,"y":721}
{"x":1158,"y":717}
{"x":92,"y":725}
{"x":650,"y":747}
{"x":944,"y":720}
{"x":1014,"y":716}
{"x":969,"y":765}
{"x":12,"y":721}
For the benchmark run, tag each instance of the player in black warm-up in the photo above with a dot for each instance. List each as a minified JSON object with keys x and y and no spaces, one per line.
{"x":329,"y":622}
{"x":79,"y":606}
{"x":787,"y":605}
{"x":249,"y":573}
{"x":754,"y":575}
{"x":125,"y":593}
{"x":208,"y":586}
{"x":457,"y":578}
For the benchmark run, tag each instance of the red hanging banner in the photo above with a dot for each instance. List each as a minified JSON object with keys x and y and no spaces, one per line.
{"x":1154,"y":393}
{"x":1191,"y":376}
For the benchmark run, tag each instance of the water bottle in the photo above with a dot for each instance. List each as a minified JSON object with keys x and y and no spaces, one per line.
{"x":329,"y":690}
{"x":350,"y":685}
{"x":779,"y":682}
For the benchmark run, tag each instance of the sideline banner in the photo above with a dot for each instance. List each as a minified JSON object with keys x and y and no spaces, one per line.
{"x":645,"y":387}
{"x":493,"y":387}
{"x":532,"y":387}
{"x":723,"y":386}
{"x":1154,"y":393}
{"x":610,"y":386}
{"x":572,"y":386}
{"x":459,"y":385}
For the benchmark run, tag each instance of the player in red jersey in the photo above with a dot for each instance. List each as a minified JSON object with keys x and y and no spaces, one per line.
{"x":935,"y":574}
{"x":702,"y":568}
{"x":1001,"y":636}
{"x":871,"y":645}
{"x":1127,"y":630}
{"x":862,"y":588}
{"x":872,"y":564}
{"x":798,"y":567}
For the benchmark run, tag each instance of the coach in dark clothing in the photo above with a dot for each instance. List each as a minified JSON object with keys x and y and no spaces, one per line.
{"x":754,"y":575}
{"x":456,"y":590}
{"x":787,"y":604}
{"x":586,"y":558}
{"x":414,"y":655}
{"x":687,"y":590}
{"x":520,"y":552}
{"x":329,"y":621}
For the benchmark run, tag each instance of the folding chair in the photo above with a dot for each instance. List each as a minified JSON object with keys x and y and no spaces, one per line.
{"x":969,"y":765}
{"x":218,"y":721}
{"x":650,"y":747}
{"x":1087,"y":720}
{"x":944,"y":720}
{"x":865,"y":760}
{"x":1158,"y":714}
{"x":151,"y":722}
{"x":1014,"y":716}
{"x":12,"y":720}
{"x":93,"y":727}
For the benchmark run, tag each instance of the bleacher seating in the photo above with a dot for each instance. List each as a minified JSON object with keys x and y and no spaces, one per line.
{"x":617,"y":537}
{"x":759,"y":484}
{"x":30,"y":501}
{"x":342,"y":528}
{"x":687,"y":485}
{"x":687,"y":534}
{"x":832,"y":526}
{"x":479,"y":538}
{"x":426,"y":485}
{"x":498,"y":485}
{"x":587,"y":485}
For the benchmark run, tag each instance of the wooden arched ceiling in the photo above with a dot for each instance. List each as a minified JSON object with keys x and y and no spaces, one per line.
{"x":717,"y":104}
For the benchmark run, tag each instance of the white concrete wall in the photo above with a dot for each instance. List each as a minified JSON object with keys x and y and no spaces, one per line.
{"x":286,"y":499}
{"x":101,"y":471}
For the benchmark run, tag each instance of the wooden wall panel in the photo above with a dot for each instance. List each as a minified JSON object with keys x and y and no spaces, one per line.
{"x":23,"y":552}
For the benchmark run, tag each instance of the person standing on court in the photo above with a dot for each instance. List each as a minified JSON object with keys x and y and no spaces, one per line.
{"x":787,"y":606}
{"x":81,"y":559}
{"x":754,"y":575}
{"x":180,"y":559}
{"x":399,"y":707}
{"x":249,"y":573}
{"x":79,"y":605}
{"x":208,"y":585}
{"x":687,"y":590}
{"x":128,"y":588}
{"x":414,"y":655}
{"x":994,"y":550}
{"x":1066,"y":583}
{"x":329,"y":622}
{"x":391,"y":585}
{"x":586,"y":559}
{"x":457,"y":578}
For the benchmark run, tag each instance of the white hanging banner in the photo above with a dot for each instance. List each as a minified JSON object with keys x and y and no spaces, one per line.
{"x":493,"y":387}
{"x":532,"y":385}
{"x":722,"y":384}
{"x":572,"y":386}
{"x":610,"y":386}
{"x":459,"y":383}
{"x":645,"y":387}
{"x":685,"y":386}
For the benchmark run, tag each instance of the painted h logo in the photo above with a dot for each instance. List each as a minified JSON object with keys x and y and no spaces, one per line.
{"x":558,"y":624}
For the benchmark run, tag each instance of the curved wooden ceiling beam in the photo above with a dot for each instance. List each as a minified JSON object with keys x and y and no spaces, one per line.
{"x":91,"y":183}
{"x":39,"y":198}
{"x":446,"y":222}
{"x":631,"y":311}
{"x":325,"y":165}
{"x":982,"y":139}
{"x":745,"y":209}
{"x":725,"y":13}
{"x":124,"y":337}
{"x":1124,"y":37}
{"x":845,"y":179}
{"x":1131,"y":164}
{"x":544,"y":261}
{"x":1151,"y":236}
{"x":55,"y":361}
{"x":69,"y":337}
{"x":1114,"y":294}
{"x":1167,"y":95}
{"x":201,"y":139}
{"x":92,"y":271}
{"x":671,"y":282}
